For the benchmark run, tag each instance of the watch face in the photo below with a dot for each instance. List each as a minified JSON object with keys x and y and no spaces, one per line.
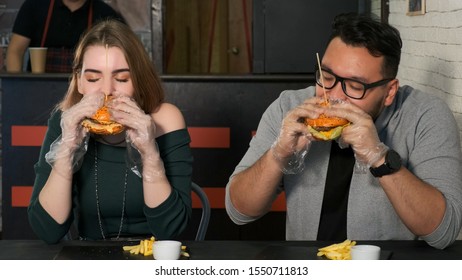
{"x":391,"y":165}
{"x":393,"y":160}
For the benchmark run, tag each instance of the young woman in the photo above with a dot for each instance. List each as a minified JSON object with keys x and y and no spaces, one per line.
{"x":134,"y":183}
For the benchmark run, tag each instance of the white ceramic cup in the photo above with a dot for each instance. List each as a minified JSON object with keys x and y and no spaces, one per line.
{"x":166,"y":250}
{"x":38,"y":59}
{"x":365,"y":252}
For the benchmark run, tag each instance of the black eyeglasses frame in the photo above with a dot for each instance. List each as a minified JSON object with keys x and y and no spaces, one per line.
{"x":342,"y":82}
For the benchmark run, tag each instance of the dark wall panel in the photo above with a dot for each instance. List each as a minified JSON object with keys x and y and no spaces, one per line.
{"x":288,"y":34}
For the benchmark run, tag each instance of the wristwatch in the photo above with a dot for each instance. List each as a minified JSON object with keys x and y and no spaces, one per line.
{"x":391,"y":165}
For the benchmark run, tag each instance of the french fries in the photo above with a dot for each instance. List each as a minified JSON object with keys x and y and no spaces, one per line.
{"x":338,"y":251}
{"x":145,"y":248}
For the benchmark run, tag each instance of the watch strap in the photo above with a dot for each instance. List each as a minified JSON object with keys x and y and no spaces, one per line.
{"x":391,"y":165}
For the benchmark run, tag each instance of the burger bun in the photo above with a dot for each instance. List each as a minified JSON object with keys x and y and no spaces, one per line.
{"x":101,"y":123}
{"x":326,"y":128}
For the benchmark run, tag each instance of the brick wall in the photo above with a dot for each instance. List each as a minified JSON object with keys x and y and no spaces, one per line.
{"x":432,"y":49}
{"x":375,"y":7}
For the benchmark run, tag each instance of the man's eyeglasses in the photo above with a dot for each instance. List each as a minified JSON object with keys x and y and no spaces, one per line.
{"x":352,"y":88}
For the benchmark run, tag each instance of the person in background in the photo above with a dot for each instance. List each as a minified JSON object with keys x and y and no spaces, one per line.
{"x":395,"y":171}
{"x":55,"y":24}
{"x":135,"y":183}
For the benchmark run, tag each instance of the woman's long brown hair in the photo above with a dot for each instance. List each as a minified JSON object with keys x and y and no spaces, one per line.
{"x":148,"y":91}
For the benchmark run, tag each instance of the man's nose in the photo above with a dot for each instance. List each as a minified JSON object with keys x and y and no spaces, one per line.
{"x":336,"y":93}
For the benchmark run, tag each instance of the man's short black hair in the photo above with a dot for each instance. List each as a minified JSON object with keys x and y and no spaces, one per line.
{"x":380,"y":39}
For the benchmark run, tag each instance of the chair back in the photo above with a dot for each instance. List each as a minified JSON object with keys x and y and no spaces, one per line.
{"x":205,"y":218}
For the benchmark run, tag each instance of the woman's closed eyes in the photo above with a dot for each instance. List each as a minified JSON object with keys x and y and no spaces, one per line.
{"x":93,"y":77}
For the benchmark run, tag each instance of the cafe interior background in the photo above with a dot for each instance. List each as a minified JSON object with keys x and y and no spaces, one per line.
{"x":223,"y":62}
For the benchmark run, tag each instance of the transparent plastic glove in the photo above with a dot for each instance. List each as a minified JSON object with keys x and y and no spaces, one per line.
{"x":71,"y":119}
{"x":143,"y":153}
{"x":70,"y":147}
{"x":361,"y":135}
{"x":293,"y":164}
{"x":59,"y":149}
{"x":135,"y":164}
{"x":294,"y":140}
{"x":133,"y":160}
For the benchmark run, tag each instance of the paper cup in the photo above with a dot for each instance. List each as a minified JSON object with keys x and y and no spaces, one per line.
{"x":365,"y":252}
{"x":166,"y":250}
{"x":38,"y":57}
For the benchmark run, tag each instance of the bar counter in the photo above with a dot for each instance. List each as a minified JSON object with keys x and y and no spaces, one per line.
{"x":218,"y":250}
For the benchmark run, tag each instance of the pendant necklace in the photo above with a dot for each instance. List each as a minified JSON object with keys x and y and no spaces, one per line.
{"x":98,"y":210}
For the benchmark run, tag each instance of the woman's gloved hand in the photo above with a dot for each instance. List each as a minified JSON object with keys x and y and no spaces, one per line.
{"x":141,"y":137}
{"x":72,"y":144}
{"x":71,"y":119}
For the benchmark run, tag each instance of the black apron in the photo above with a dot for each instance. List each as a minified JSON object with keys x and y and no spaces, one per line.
{"x":59,"y":60}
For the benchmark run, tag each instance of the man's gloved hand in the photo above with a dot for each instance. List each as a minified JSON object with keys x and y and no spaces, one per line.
{"x":294,"y":140}
{"x":361,"y":134}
